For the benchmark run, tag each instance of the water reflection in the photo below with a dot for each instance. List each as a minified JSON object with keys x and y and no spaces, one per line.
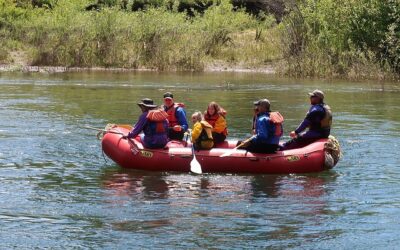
{"x":308,"y":190}
{"x":133,"y":183}
{"x":215,"y":208}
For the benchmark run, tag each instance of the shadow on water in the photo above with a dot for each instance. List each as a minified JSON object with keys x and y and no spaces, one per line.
{"x":159,"y":185}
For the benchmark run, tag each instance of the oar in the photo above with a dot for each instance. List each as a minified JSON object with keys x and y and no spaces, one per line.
{"x":236,"y":148}
{"x":103,"y":130}
{"x":127,"y":126}
{"x":195,"y":166}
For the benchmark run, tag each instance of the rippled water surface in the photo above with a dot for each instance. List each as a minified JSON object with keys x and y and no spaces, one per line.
{"x":58,"y":191}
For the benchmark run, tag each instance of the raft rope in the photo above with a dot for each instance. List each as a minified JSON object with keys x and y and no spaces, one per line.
{"x":333,"y":148}
{"x":101,"y":134}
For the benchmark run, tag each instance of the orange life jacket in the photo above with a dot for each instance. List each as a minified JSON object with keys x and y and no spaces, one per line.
{"x":159,"y":117}
{"x":171,"y":111}
{"x":212,"y":119}
{"x":277,"y":119}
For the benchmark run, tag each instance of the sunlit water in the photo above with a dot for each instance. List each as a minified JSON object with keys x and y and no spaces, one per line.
{"x":57,"y":190}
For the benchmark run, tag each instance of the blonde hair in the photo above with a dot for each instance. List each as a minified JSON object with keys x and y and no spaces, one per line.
{"x":198,"y":116}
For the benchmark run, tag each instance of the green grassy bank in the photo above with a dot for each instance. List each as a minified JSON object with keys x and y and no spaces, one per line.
{"x":312,"y":39}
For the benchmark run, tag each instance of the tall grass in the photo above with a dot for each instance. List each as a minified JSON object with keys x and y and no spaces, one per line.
{"x":348,"y":39}
{"x":316,"y":38}
{"x":155,"y":38}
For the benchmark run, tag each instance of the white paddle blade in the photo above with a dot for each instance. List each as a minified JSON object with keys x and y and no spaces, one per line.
{"x":195,"y":166}
{"x":228,"y":153}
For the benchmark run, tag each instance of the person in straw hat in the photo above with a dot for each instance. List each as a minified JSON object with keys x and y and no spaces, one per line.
{"x":154,"y":124}
{"x":318,"y":121}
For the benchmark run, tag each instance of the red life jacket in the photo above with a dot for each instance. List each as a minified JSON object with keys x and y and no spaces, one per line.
{"x":171,"y":111}
{"x":212,"y":119}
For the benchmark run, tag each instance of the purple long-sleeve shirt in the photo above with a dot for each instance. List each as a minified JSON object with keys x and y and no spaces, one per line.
{"x":150,"y":140}
{"x":313,"y":121}
{"x":138,"y":127}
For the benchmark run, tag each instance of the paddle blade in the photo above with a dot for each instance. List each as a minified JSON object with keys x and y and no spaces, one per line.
{"x":195,"y":166}
{"x":127,"y":126}
{"x":228,"y":153}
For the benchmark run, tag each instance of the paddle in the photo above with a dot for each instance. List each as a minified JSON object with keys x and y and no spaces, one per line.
{"x":195,"y":166}
{"x":237,"y":147}
{"x":103,"y":130}
{"x":127,"y":126}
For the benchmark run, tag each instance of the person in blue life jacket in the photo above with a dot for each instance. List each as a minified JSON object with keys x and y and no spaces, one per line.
{"x":318,"y":120}
{"x":253,"y":124}
{"x":176,"y":117}
{"x":267,"y":131}
{"x":154,"y":124}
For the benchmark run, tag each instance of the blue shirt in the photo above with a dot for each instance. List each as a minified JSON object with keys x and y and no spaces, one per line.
{"x":181,"y":117}
{"x":265,"y":130}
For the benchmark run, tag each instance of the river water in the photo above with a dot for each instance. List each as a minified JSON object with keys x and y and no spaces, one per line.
{"x":57,"y":190}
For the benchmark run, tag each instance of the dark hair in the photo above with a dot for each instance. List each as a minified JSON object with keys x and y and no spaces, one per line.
{"x":218,"y":109}
{"x":168,"y":94}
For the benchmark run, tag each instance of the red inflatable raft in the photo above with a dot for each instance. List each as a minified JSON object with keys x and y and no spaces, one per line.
{"x":176,"y":156}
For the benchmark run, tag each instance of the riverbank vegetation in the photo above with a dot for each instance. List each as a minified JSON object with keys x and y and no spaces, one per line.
{"x":307,"y":38}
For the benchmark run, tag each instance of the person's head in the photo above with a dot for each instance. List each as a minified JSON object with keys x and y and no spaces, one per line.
{"x":255,"y":109}
{"x":197,"y":117}
{"x":146,"y":104}
{"x":316,"y":97}
{"x":168,"y":99}
{"x":263,"y":105}
{"x":213,"y":108}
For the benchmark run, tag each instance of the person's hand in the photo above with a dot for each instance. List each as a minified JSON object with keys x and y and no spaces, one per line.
{"x":177,"y":128}
{"x":188,"y":132}
{"x":293,"y":134}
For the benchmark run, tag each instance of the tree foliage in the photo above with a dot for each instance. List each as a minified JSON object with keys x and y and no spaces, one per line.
{"x":327,"y":37}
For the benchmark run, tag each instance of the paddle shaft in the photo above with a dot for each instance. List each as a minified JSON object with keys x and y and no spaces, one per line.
{"x":102,"y":130}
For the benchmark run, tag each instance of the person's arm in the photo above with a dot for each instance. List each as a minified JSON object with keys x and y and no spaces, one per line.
{"x":315,"y":114}
{"x":197,"y":128}
{"x":303,"y":125}
{"x":181,"y":116}
{"x":138,"y":126}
